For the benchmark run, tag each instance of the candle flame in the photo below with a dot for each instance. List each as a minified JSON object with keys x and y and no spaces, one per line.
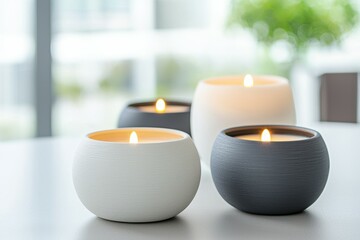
{"x":160,"y":105}
{"x":133,"y":138}
{"x":265,"y":136}
{"x":248,"y":81}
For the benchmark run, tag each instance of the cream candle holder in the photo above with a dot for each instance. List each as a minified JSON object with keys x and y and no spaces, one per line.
{"x":225,"y":102}
{"x":136,"y":174}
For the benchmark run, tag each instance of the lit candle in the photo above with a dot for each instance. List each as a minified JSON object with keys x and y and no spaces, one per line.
{"x":269,"y":169}
{"x":225,"y":102}
{"x":162,"y":107}
{"x":136,"y":174}
{"x":159,"y":113}
{"x":267,"y":136}
{"x":136,"y":136}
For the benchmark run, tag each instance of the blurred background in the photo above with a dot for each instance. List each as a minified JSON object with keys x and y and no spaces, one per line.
{"x":68,"y":67}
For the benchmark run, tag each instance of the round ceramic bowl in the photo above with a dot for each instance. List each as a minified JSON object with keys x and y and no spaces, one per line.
{"x":133,"y":116}
{"x":152,"y":180}
{"x":271,"y":178}
{"x":224,"y":102}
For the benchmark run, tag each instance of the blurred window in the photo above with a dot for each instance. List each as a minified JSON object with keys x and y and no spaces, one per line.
{"x":109,"y":52}
{"x":16,"y":69}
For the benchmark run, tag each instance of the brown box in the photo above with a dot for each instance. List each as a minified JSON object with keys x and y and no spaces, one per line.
{"x":338,"y":97}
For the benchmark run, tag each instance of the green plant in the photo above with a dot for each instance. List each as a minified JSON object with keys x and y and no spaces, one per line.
{"x":115,"y":78}
{"x":70,"y":90}
{"x":299,"y":22}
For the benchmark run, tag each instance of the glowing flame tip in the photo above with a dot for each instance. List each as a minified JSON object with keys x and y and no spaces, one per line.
{"x":266,"y":136}
{"x":248,"y":81}
{"x":160,"y":105}
{"x":133,"y":138}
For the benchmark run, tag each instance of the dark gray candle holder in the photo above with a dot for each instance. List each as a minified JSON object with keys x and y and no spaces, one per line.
{"x":132,"y":116}
{"x":270,"y":178}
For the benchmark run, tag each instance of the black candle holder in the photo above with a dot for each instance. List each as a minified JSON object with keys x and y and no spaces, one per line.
{"x":133,"y":116}
{"x":270,"y":178}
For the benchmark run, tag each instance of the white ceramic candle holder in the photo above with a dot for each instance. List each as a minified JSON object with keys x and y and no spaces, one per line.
{"x":225,"y":102}
{"x":152,"y":180}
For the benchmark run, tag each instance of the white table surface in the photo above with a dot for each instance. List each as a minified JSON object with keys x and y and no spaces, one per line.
{"x":38,"y":200}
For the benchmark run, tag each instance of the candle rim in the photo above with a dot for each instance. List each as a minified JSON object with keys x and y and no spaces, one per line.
{"x":307,"y":133}
{"x":273,"y":81}
{"x":135,"y":105}
{"x":180,"y":135}
{"x":153,"y":101}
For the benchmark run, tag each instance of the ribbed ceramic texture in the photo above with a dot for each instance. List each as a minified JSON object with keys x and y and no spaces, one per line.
{"x":269,"y":178}
{"x":131,"y":116}
{"x":136,"y":182}
{"x":217,"y":107}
